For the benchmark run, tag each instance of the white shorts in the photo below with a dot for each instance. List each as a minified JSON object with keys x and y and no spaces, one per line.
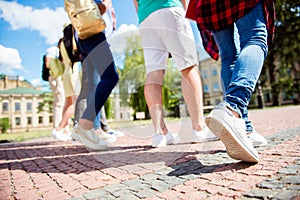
{"x":168,"y":31}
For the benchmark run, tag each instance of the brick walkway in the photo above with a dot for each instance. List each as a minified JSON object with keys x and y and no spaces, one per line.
{"x":131,"y":169}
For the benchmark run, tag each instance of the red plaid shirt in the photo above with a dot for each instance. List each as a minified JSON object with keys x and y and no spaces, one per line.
{"x":219,"y":14}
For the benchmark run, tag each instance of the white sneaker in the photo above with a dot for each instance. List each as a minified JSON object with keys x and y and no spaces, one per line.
{"x":257,"y":139}
{"x":116,"y":133}
{"x":203,"y":136}
{"x":109,"y":138}
{"x":159,"y":140}
{"x":61,"y":136}
{"x":231,"y":131}
{"x":88,"y":138}
{"x":53,"y":133}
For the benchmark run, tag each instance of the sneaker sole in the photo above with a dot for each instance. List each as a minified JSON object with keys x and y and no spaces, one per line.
{"x":87,"y":143}
{"x":195,"y":141}
{"x":234,"y":145}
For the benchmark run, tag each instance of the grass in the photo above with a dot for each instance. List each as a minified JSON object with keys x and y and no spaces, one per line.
{"x":23,"y":136}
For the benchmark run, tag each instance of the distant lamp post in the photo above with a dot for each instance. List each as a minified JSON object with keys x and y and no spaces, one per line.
{"x":260,"y":96}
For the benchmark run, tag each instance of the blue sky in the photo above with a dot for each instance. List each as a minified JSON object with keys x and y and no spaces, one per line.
{"x":29,"y":27}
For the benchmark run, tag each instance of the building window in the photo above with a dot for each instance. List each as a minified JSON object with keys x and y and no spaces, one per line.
{"x":40,"y":120}
{"x":216,"y":87}
{"x":215,"y":72}
{"x":204,"y":74}
{"x":51,"y":119}
{"x":29,"y":120}
{"x":18,"y":121}
{"x":29,"y":106}
{"x":205,"y":88}
{"x":5,"y":107}
{"x":17,"y":106}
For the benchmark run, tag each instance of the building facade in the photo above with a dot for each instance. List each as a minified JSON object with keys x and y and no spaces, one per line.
{"x":212,"y":89}
{"x":19,"y":102}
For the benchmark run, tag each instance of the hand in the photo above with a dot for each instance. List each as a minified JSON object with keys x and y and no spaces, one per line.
{"x":102,"y":8}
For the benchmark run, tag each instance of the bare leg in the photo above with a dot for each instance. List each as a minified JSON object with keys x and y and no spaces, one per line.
{"x":68,"y":112}
{"x":153,"y":95}
{"x":192,"y":93}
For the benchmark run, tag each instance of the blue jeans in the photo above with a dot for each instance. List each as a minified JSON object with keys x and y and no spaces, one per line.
{"x":242,"y":65}
{"x":101,"y":73}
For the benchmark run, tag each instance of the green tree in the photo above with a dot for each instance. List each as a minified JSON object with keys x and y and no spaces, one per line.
{"x":108,"y":108}
{"x":47,"y":103}
{"x":282,"y":64}
{"x":132,"y":76}
{"x":4,"y":124}
{"x":132,"y":79}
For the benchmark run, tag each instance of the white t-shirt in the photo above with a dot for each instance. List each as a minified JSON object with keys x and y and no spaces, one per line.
{"x":52,"y":52}
{"x":107,"y":16}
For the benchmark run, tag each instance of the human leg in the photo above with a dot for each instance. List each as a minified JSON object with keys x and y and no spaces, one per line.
{"x":99,"y":62}
{"x":56,"y":86}
{"x":153,"y":96}
{"x":192,"y":93}
{"x":225,"y":121}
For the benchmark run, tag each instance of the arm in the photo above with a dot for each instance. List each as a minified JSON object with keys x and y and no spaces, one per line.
{"x":101,"y":6}
{"x":47,"y":61}
{"x":184,"y":4}
{"x":136,"y":5}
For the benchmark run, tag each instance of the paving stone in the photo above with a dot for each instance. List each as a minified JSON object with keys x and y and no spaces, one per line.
{"x":288,"y":171}
{"x":258,"y":193}
{"x":286,"y":194}
{"x":94,"y":194}
{"x":136,"y":185}
{"x":291,"y":179}
{"x":145,"y":193}
{"x":159,"y":185}
{"x":270,"y":185}
{"x":124,"y":194}
{"x":115,"y":187}
{"x":155,"y":173}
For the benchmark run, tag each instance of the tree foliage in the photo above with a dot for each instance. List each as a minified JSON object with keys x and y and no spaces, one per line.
{"x":132,"y":79}
{"x":282,"y":64}
{"x":47,"y":103}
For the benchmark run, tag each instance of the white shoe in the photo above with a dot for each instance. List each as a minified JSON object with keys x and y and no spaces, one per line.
{"x":231,"y":131}
{"x":53,"y":133}
{"x":257,"y":139}
{"x":159,"y":140}
{"x":203,"y":136}
{"x":116,"y":133}
{"x":109,"y":138}
{"x":88,"y":138}
{"x":61,"y":136}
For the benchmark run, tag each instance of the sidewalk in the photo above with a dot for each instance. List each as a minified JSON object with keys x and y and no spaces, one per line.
{"x":131,"y":169}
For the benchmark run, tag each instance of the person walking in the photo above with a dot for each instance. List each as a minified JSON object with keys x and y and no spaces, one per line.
{"x":241,"y":65}
{"x":165,"y":31}
{"x":102,"y":77}
{"x":71,"y":84}
{"x":100,"y":121}
{"x":56,"y":86}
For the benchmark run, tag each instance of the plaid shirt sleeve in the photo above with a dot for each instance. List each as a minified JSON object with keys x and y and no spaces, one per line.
{"x":219,"y":14}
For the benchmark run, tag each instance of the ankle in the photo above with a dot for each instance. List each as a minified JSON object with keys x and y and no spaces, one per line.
{"x":236,"y":114}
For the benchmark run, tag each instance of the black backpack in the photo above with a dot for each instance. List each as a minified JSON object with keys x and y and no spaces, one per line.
{"x":45,"y":70}
{"x":70,"y":44}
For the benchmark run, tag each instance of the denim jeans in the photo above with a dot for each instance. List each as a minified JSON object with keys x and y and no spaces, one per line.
{"x":242,"y":65}
{"x":101,"y":73}
{"x":100,"y":121}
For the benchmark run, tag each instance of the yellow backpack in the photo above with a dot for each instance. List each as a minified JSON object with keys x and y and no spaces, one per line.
{"x":85,"y":17}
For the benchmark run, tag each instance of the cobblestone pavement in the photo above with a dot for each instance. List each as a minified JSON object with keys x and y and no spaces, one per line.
{"x":131,"y":169}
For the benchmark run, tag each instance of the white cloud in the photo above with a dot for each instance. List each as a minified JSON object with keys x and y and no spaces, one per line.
{"x":118,"y":40}
{"x":47,"y":22}
{"x":10,"y":60}
{"x":36,"y":82}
